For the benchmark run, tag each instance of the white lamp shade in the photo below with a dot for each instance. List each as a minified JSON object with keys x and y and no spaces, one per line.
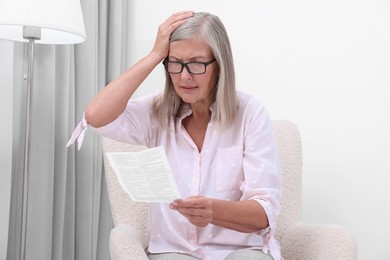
{"x":61,"y":21}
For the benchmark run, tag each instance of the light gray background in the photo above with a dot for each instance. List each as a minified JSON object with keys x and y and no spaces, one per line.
{"x":321,"y":64}
{"x":6,"y":54}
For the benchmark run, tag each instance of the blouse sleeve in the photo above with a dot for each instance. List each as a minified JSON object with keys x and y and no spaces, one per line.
{"x":262,"y":168}
{"x":135,"y":125}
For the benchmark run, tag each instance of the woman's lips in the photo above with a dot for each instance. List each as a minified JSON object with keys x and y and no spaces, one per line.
{"x":188,"y":87}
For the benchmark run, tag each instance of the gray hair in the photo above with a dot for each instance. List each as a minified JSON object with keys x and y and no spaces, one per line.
{"x":209,"y":28}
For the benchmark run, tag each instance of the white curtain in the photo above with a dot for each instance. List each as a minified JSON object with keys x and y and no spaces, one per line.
{"x":68,"y":210}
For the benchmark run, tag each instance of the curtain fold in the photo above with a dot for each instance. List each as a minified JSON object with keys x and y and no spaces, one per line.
{"x":68,"y":211}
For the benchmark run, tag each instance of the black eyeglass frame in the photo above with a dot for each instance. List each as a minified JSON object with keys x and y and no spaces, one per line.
{"x":185,"y":64}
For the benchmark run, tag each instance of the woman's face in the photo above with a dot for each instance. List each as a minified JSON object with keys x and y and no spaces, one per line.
{"x":194,"y":89}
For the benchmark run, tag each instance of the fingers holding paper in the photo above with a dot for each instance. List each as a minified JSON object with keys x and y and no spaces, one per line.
{"x":197,"y":209}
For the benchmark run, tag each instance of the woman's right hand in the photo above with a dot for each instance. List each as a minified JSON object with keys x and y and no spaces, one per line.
{"x":161,"y":44}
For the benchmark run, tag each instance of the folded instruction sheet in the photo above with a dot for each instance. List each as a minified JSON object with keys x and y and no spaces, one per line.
{"x":145,"y":175}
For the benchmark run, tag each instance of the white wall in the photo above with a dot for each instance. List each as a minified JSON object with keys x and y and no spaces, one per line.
{"x":6,"y":54}
{"x":324,"y":65}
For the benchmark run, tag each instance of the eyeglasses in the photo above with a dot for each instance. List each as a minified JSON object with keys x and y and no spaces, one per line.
{"x":196,"y":68}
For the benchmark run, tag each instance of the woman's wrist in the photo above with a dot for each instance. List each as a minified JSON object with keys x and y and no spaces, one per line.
{"x":157,"y":57}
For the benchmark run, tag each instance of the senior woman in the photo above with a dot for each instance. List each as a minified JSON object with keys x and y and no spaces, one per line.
{"x":219,"y":143}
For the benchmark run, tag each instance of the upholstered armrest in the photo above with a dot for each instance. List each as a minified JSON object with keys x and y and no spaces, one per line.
{"x":307,"y":242}
{"x":126,"y":244}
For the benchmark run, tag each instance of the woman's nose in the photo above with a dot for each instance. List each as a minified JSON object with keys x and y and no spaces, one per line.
{"x":185,"y":74}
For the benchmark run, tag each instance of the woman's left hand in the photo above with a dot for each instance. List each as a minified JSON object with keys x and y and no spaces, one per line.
{"x":197,"y":209}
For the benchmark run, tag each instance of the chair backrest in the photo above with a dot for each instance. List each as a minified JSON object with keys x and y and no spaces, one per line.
{"x":126,"y":211}
{"x":123,"y":209}
{"x":289,"y":146}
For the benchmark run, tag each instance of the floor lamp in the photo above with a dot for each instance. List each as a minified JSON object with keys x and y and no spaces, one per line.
{"x":45,"y":22}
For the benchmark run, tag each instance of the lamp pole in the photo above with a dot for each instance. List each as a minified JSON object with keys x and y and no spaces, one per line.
{"x":31,"y":34}
{"x":36,"y":22}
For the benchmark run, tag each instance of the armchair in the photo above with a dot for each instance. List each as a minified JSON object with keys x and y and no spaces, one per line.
{"x":298,"y":240}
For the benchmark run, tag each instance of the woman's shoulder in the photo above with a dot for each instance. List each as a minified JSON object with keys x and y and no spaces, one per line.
{"x":248,"y":101}
{"x":252,"y":109}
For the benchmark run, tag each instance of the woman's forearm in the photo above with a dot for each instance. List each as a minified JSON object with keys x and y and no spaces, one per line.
{"x":244,"y":216}
{"x":111,"y":101}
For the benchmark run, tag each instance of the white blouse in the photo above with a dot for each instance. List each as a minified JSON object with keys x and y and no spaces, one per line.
{"x":240,"y":163}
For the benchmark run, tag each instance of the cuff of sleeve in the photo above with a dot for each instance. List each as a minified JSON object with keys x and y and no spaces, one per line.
{"x":79,"y":133}
{"x":266,"y":236}
{"x":266,"y":233}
